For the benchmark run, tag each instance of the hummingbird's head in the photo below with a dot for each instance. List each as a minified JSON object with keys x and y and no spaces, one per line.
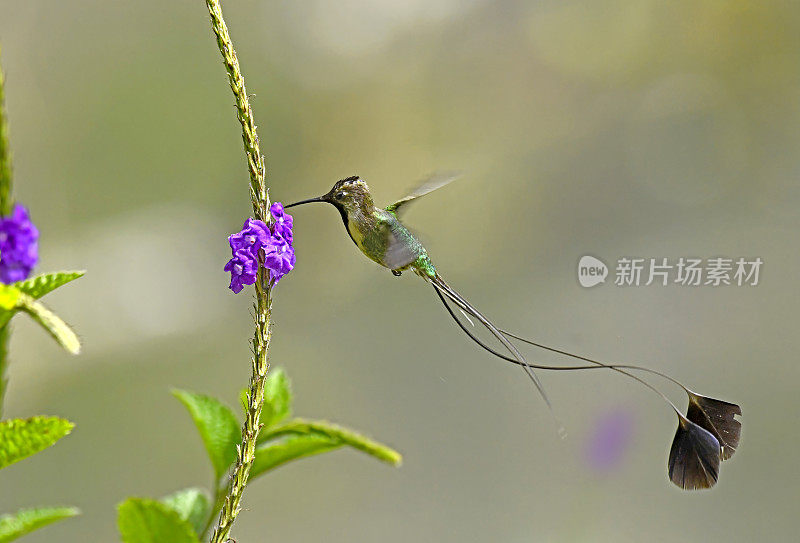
{"x":348,"y":195}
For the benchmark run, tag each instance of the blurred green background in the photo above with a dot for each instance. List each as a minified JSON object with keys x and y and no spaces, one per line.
{"x":611,"y":128}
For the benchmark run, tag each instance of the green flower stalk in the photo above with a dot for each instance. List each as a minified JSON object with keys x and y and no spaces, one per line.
{"x":5,"y":209}
{"x":19,"y":293}
{"x":4,"y":333}
{"x":5,"y":155}
{"x":263,"y":306}
{"x":255,"y":160}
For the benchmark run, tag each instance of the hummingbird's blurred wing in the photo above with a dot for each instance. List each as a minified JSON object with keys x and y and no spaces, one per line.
{"x":402,"y":248}
{"x":435,"y":181}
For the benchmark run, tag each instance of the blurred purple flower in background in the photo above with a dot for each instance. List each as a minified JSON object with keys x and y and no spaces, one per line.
{"x":19,"y":246}
{"x":610,"y":440}
{"x":255,"y":237}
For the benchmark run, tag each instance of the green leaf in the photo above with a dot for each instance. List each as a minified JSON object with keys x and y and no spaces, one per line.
{"x":38,"y":286}
{"x":20,"y":438}
{"x":28,"y":520}
{"x":22,"y":295}
{"x":277,"y":398}
{"x":148,"y":521}
{"x":306,"y":438}
{"x":192,"y":505}
{"x":344,"y":435}
{"x":273,"y":455}
{"x":51,"y":322}
{"x":217,"y":426}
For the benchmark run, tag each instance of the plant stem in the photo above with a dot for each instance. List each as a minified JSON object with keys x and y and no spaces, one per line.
{"x":5,"y":332}
{"x":263,"y":306}
{"x":5,"y":155}
{"x":255,"y":161}
{"x":5,"y":209}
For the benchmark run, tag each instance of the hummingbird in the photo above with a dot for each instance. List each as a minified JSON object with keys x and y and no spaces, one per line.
{"x":707,"y":434}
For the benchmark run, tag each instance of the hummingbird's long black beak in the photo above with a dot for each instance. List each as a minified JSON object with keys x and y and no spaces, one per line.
{"x":317,"y":199}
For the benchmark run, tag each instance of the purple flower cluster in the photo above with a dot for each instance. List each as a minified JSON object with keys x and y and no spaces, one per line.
{"x":19,"y":246}
{"x":611,"y":439}
{"x":256,"y":239}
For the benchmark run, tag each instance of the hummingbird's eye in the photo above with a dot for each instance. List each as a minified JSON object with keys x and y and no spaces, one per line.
{"x":339,"y":195}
